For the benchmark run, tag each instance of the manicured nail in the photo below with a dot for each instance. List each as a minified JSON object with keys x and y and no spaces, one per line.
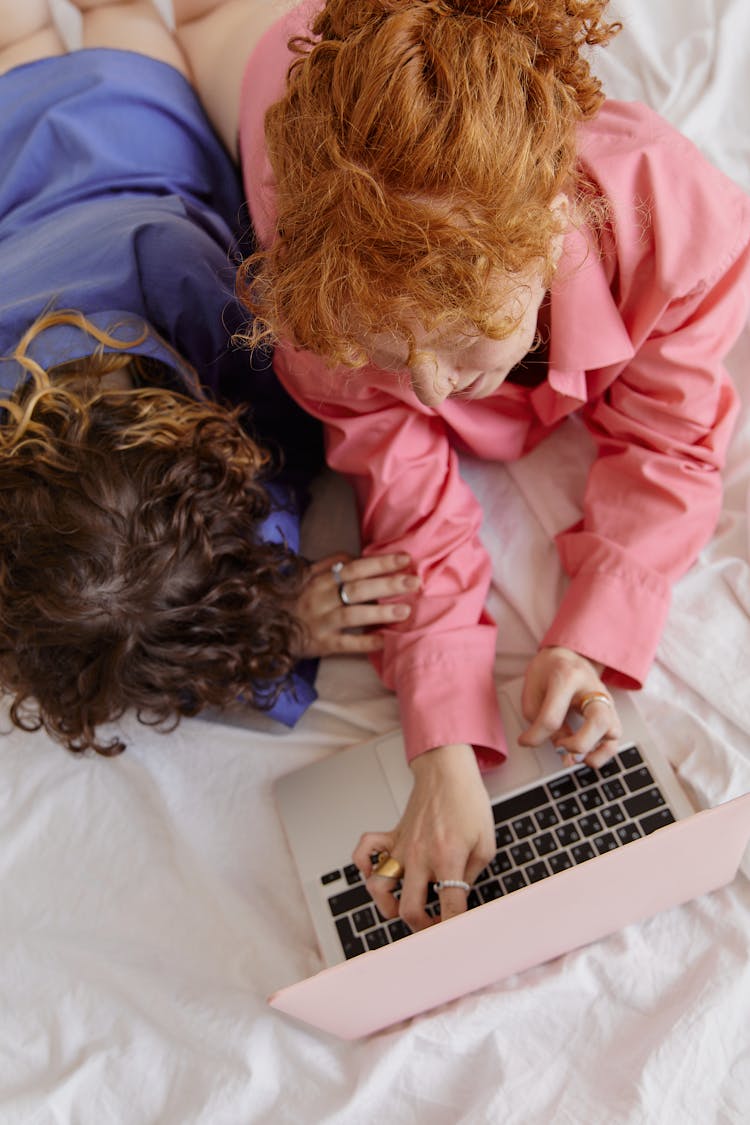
{"x":401,"y":611}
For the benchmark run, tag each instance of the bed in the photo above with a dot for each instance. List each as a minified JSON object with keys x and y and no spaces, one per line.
{"x":148,"y":904}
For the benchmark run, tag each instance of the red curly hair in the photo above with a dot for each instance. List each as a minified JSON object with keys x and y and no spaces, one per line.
{"x":416,"y":153}
{"x":131,"y":574}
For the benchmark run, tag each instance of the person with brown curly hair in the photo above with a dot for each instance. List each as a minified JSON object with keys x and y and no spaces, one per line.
{"x":148,"y":542}
{"x":462,"y":244}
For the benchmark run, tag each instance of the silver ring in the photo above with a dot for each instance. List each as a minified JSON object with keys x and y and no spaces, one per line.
{"x":444,"y":884}
{"x":336,"y":572}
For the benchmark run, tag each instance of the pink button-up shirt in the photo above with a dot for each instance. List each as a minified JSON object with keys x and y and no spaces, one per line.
{"x":642,"y":313}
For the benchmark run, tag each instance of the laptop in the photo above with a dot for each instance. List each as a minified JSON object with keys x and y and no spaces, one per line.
{"x":580,"y":854}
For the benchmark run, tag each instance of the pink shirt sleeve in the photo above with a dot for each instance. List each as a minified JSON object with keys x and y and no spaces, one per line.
{"x":679,"y":270}
{"x":411,"y":497}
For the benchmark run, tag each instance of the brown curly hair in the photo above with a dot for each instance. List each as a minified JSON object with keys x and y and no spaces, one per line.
{"x":416,"y":153}
{"x":131,"y":573}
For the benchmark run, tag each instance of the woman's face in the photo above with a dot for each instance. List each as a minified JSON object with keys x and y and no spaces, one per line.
{"x":465,"y":367}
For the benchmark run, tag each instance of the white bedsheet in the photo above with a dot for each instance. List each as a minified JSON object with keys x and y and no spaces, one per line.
{"x":148,"y":903}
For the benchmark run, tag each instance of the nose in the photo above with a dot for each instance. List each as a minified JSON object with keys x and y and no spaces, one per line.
{"x":433,"y":382}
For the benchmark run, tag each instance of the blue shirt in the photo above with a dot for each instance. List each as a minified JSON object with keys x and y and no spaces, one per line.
{"x":118,"y":200}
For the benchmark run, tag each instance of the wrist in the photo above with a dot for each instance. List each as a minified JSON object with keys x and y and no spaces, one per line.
{"x":454,"y":755}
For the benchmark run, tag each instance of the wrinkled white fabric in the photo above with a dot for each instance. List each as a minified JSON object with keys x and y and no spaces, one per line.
{"x":148,"y":904}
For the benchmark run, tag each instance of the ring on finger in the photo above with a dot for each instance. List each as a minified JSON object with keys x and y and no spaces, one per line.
{"x":387,"y":867}
{"x":340,"y":584}
{"x":592,"y":697}
{"x":445,"y":884}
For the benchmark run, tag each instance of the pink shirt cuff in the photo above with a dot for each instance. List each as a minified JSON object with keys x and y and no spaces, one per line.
{"x":613,"y":619}
{"x":451,"y":698}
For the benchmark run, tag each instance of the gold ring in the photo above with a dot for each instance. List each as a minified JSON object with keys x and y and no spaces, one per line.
{"x":387,"y":867}
{"x":592,"y":697}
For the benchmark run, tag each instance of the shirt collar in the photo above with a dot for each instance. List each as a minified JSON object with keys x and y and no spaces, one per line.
{"x":586,"y":329}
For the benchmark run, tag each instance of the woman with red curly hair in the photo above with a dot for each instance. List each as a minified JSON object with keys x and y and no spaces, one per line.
{"x":148,"y":543}
{"x":462,"y":244}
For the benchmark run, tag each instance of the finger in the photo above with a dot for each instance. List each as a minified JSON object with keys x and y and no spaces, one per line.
{"x":603,"y":753}
{"x":413,"y":899}
{"x":452,"y":901}
{"x":601,"y":723}
{"x":359,"y":616}
{"x":374,"y":566}
{"x":547,"y":715}
{"x":324,"y":565}
{"x":371,"y":589}
{"x":370,"y":844}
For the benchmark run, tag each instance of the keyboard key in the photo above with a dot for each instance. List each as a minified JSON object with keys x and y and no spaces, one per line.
{"x":567,"y":834}
{"x":613,"y":789}
{"x":524,"y":826}
{"x":503,"y":836}
{"x":377,"y":938}
{"x":545,"y":844}
{"x":612,"y":815}
{"x":638,"y":779}
{"x":589,"y":824}
{"x":605,"y":843}
{"x":585,"y":776}
{"x":330,"y":877}
{"x":656,"y":820}
{"x":352,"y":874}
{"x":349,"y":900}
{"x":363,"y":919}
{"x":610,"y":768}
{"x":520,"y":804}
{"x":398,"y":929}
{"x":500,"y":864}
{"x":537,"y":871}
{"x":513,"y":882}
{"x":643,"y":802}
{"x":631,"y":756}
{"x":522,"y":853}
{"x":561,"y":787}
{"x":350,"y":943}
{"x":591,"y":799}
{"x":473,"y":899}
{"x":582,"y":852}
{"x":559,"y":862}
{"x":433,"y":910}
{"x":568,"y":808}
{"x":490,"y":891}
{"x":546,"y":818}
{"x":628,"y":832}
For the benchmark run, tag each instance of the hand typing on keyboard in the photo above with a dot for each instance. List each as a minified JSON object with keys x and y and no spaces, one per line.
{"x":446,"y":832}
{"x":558,"y":682}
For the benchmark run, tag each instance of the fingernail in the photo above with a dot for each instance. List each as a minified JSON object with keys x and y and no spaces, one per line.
{"x":578,"y":758}
{"x":401,"y":611}
{"x":411,"y":582}
{"x":403,"y":560}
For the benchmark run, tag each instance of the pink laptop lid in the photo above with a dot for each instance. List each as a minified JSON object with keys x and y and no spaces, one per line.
{"x":688,"y":858}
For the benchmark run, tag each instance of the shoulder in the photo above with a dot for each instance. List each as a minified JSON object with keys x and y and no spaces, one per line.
{"x":664,"y":198}
{"x":263,"y":84}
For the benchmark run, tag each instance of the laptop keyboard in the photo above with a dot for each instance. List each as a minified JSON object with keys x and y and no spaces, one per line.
{"x":540,"y":832}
